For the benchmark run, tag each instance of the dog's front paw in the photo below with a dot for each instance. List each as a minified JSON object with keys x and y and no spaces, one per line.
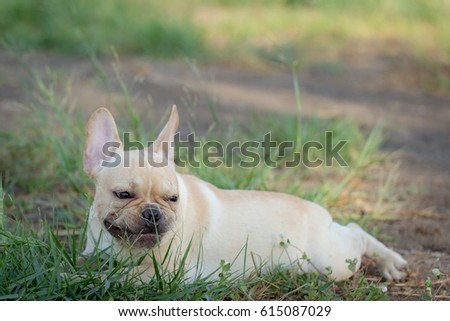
{"x":393,"y":266}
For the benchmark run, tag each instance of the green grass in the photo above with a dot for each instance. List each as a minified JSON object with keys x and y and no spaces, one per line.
{"x":41,"y":267}
{"x":46,"y":197}
{"x":325,"y":24}
{"x":231,"y":30}
{"x":254,"y":32}
{"x":78,"y":27}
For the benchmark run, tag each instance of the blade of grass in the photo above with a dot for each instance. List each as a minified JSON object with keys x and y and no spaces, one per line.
{"x":298,"y":105}
{"x":2,"y":209}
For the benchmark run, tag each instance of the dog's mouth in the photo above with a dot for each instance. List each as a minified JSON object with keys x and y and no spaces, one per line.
{"x":147,"y":236}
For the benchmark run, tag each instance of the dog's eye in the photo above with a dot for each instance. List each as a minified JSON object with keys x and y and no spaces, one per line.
{"x":173,"y":198}
{"x":123,"y":195}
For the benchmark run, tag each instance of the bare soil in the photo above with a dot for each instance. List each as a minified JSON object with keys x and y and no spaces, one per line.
{"x":361,"y":86}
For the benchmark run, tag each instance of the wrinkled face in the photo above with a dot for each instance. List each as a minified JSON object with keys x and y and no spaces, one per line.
{"x":136,"y":201}
{"x":137,"y":204}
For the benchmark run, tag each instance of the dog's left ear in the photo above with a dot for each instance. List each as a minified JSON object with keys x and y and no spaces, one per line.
{"x":165,"y":142}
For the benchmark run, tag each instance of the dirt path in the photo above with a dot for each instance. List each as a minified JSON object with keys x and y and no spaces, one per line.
{"x":366,"y":90}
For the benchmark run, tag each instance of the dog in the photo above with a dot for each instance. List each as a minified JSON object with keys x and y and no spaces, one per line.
{"x":160,"y":216}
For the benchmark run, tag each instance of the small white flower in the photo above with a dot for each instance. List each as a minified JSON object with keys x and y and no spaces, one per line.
{"x":436,"y":272}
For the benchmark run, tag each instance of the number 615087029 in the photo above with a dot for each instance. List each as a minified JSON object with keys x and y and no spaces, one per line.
{"x":295,"y":311}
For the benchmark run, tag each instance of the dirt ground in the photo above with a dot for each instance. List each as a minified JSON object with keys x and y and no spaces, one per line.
{"x":362,"y":86}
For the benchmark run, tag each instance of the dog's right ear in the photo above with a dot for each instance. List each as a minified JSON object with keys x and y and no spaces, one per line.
{"x":165,"y":142}
{"x":102,"y":139}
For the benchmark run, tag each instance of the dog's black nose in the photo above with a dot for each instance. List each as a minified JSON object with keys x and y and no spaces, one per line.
{"x":152,"y":214}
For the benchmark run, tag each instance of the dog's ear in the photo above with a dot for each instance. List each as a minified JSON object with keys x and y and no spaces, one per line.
{"x":165,"y":142}
{"x":102,"y":140}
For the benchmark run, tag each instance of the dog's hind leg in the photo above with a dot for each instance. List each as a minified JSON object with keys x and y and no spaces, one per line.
{"x":347,"y":245}
{"x":390,"y":263}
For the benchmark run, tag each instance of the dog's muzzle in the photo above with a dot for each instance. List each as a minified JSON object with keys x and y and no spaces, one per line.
{"x":148,"y":232}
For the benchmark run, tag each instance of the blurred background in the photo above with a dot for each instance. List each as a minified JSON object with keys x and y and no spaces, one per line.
{"x":242,"y":68}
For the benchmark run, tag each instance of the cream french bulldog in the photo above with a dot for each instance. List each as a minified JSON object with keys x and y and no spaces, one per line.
{"x":141,"y":210}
